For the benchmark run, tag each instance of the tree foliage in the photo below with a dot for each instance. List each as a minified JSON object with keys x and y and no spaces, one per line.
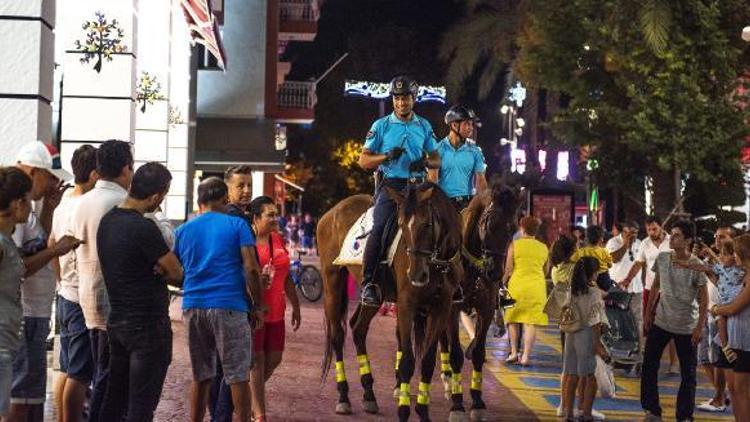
{"x":650,"y":98}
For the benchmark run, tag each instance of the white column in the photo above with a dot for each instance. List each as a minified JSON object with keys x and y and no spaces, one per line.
{"x":26,"y":73}
{"x":177,"y":202}
{"x":97,"y":106}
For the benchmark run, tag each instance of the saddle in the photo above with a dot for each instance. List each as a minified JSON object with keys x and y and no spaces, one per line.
{"x":353,"y":248}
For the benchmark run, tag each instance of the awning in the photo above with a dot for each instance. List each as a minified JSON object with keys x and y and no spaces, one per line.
{"x":221,"y":143}
{"x":204,"y":28}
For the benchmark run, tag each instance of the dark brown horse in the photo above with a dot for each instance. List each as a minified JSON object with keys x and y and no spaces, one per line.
{"x":489,"y":224}
{"x":429,"y":252}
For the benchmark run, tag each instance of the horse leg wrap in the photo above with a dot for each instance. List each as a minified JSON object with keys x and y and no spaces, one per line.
{"x":404,"y":397}
{"x":364,"y":365}
{"x":399,"y":355}
{"x":476,"y":380}
{"x":423,"y":397}
{"x":445,"y":363}
{"x":340,"y":374}
{"x":457,"y":386}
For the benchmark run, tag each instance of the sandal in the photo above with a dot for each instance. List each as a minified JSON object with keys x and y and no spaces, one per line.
{"x":511,"y":360}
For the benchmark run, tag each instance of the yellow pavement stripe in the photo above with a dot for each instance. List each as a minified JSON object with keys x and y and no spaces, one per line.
{"x":533,"y":397}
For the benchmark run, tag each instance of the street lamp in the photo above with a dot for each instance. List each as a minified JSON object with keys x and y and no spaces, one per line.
{"x":746,"y":33}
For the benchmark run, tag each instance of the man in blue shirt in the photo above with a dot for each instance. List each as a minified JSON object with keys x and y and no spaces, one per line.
{"x":396,"y":146}
{"x":222,"y":277}
{"x":462,"y":166}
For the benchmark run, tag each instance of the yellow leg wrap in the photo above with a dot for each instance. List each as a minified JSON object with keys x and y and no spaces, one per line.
{"x":399,"y":355}
{"x":476,"y":380}
{"x":404,"y":398}
{"x":364,"y":365}
{"x":445,"y":362}
{"x":457,"y":386}
{"x":340,"y":374}
{"x":423,"y":397}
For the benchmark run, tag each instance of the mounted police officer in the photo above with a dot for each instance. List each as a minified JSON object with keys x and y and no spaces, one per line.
{"x":462,"y":166}
{"x":396,"y":146}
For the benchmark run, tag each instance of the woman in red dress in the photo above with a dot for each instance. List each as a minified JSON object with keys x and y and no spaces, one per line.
{"x":268,"y":341}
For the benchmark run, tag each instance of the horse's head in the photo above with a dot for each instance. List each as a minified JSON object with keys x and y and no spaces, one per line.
{"x":430,"y":229}
{"x":496,"y":226}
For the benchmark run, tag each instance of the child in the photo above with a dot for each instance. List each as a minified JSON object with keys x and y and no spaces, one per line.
{"x":594,"y":248}
{"x":728,"y":277}
{"x":15,"y":206}
{"x":582,"y":347}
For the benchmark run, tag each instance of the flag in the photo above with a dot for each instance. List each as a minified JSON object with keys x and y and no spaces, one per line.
{"x":204,"y":28}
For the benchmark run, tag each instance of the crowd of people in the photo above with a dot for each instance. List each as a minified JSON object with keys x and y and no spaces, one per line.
{"x":112,"y":254}
{"x":684,"y":294}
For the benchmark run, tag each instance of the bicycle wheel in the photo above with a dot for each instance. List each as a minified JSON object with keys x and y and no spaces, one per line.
{"x":311,"y":283}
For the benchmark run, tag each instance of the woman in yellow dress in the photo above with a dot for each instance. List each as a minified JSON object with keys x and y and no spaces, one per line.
{"x":525,"y":266}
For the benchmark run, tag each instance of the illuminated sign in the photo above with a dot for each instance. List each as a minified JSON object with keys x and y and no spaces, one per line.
{"x":380,"y":91}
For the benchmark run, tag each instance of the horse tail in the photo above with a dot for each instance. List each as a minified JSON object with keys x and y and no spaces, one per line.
{"x":341,"y":322}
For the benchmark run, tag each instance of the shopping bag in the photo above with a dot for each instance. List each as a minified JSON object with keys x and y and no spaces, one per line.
{"x":605,"y":379}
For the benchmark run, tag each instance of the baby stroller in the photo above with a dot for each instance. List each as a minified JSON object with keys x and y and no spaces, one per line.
{"x":622,"y":337}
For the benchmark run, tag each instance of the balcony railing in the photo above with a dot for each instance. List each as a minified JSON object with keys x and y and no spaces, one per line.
{"x":297,"y":95}
{"x":299,"y":10}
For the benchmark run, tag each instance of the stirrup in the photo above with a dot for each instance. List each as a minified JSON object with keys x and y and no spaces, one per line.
{"x":458,"y":296}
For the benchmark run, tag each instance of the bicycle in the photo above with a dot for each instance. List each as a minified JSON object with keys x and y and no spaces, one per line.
{"x":306,"y":278}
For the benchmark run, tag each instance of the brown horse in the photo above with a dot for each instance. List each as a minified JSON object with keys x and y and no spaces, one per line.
{"x":429,"y":251}
{"x":489,"y":224}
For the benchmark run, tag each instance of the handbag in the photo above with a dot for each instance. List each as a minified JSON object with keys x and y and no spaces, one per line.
{"x":570,"y":317}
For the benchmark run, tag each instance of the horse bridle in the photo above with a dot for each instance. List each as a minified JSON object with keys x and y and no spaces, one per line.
{"x":435,"y":261}
{"x":484,"y":262}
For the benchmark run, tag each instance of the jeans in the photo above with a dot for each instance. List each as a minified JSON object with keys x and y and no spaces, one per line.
{"x":100,"y":350}
{"x":656,"y":341}
{"x":139,"y":358}
{"x":385,"y":207}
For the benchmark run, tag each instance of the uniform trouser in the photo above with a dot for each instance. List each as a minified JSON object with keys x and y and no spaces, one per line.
{"x":385,"y":207}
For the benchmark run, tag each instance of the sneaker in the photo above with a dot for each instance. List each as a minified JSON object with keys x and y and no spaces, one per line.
{"x":597,"y":415}
{"x":710,"y":407}
{"x":650,"y":417}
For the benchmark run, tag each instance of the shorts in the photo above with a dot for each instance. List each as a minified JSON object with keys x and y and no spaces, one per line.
{"x":721,"y":360}
{"x":76,"y":358}
{"x":6,"y":380}
{"x":270,"y":338}
{"x":709,"y":353}
{"x":223,"y":333}
{"x":30,"y":365}
{"x":578,"y":355}
{"x":742,"y":364}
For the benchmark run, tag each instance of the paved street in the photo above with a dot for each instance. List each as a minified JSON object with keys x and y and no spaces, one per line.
{"x":295,"y":392}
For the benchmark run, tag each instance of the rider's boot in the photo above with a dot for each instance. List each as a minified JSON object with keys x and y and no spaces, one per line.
{"x":371,"y":294}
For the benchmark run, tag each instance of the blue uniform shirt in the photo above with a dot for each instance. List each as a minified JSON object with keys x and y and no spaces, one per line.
{"x":458,"y":167}
{"x":415,"y":136}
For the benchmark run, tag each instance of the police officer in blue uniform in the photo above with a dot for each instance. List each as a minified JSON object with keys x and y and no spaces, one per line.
{"x":396,"y":146}
{"x":462,"y":167}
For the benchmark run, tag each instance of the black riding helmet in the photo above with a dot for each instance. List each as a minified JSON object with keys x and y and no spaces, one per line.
{"x":459,"y":113}
{"x":404,"y":85}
